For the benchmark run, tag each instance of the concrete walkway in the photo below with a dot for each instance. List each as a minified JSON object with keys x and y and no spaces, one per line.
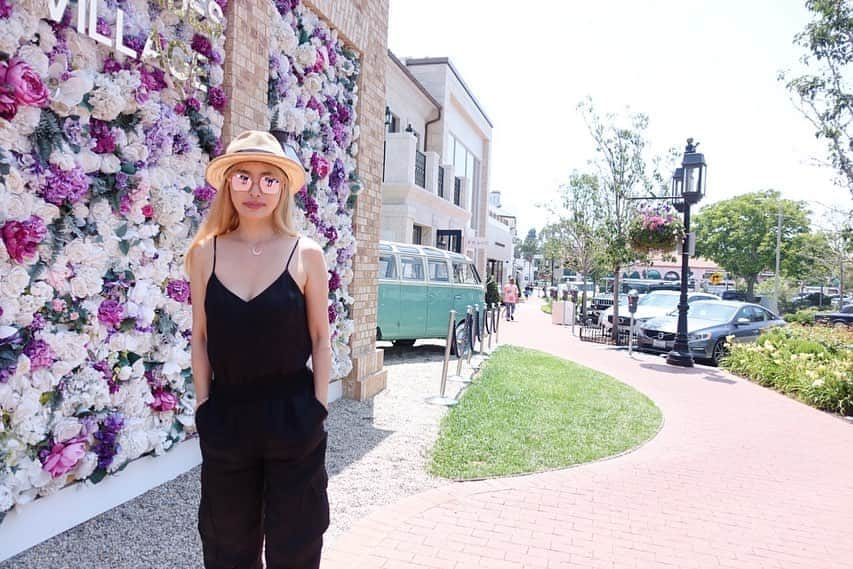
{"x":739,"y":477}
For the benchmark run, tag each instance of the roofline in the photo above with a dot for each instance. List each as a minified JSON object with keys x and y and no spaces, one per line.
{"x":446,"y":61}
{"x":414,"y":80}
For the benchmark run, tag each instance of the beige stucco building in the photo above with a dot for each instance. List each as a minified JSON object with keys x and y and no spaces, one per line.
{"x":437,"y":151}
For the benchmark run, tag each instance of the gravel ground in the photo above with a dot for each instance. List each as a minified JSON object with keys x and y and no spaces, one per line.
{"x":376,"y":455}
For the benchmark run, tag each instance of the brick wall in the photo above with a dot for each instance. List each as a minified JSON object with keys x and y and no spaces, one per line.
{"x":246,"y":66}
{"x":364,"y":25}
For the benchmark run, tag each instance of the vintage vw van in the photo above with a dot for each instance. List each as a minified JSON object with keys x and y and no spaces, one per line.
{"x":418,"y":286}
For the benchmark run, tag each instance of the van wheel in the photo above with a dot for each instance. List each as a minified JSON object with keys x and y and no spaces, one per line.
{"x":403,"y":343}
{"x":459,"y":348}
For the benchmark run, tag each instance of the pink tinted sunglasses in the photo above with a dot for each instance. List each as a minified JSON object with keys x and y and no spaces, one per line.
{"x":242,"y":182}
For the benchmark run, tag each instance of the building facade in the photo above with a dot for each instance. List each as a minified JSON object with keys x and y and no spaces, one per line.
{"x":501,"y":233}
{"x":436,"y":169}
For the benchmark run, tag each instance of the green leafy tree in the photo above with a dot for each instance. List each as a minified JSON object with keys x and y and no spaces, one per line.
{"x":823,"y":94}
{"x":739,"y":234}
{"x":809,"y":258}
{"x":623,"y":172}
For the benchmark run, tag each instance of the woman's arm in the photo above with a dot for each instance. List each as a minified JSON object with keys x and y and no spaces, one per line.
{"x":201,"y":263}
{"x":317,"y":307}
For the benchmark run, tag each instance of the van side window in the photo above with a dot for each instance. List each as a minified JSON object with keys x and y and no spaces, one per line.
{"x":471,"y":275}
{"x":387,"y":267}
{"x":438,"y":270}
{"x":458,"y":272}
{"x":412,"y":268}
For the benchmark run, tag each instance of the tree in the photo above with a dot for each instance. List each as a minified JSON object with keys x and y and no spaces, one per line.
{"x":823,"y":94}
{"x":530,"y":247}
{"x":809,"y":258}
{"x":577,"y":235}
{"x":623,"y":173}
{"x":740,"y":233}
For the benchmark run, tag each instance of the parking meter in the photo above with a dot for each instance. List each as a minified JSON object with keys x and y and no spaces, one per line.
{"x":633,"y":297}
{"x":575,"y":295}
{"x":565,"y":295}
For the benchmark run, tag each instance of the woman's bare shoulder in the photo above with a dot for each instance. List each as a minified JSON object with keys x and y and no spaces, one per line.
{"x":308,"y":244}
{"x":201,"y":256}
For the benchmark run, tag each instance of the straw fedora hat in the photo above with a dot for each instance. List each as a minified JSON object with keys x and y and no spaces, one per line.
{"x":257,"y":146}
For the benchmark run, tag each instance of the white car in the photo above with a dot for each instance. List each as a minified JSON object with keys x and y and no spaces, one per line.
{"x":653,"y":305}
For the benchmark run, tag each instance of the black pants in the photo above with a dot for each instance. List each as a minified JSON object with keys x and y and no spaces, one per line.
{"x":260,"y":491}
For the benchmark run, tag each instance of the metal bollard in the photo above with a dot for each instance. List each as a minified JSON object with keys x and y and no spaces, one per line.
{"x":442,"y":399}
{"x":466,"y":334}
{"x":469,"y":319}
{"x":481,"y":324}
{"x":498,"y":326}
{"x":490,"y":324}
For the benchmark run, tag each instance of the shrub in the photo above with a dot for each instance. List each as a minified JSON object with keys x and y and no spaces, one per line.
{"x":493,"y":295}
{"x":805,"y":316}
{"x":813,"y":364}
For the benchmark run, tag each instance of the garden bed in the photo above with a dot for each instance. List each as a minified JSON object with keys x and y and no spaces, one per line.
{"x":811,"y":363}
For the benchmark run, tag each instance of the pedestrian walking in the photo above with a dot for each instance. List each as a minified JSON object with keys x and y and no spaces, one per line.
{"x":510,"y":297}
{"x":259,"y":294}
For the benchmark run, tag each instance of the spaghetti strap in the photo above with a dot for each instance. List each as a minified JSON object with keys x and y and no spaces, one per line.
{"x":292,"y":251}
{"x":214,"y":254}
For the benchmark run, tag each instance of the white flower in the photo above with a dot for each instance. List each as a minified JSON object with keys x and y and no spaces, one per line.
{"x":110,"y":163}
{"x":35,"y":57}
{"x":47,"y":41}
{"x":306,"y":55}
{"x":16,"y":206}
{"x":15,"y":282}
{"x":10,"y":310}
{"x":106,"y":99}
{"x":14,"y":182}
{"x":86,"y":466}
{"x":313,"y":84}
{"x":66,"y":428}
{"x":70,"y":92}
{"x":29,"y":419}
{"x":135,"y":152}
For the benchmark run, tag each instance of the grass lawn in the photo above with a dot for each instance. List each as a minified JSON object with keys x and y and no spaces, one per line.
{"x":529,"y":411}
{"x":546,"y":306}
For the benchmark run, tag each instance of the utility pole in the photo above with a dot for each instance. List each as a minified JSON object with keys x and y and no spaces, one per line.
{"x":778,"y":252}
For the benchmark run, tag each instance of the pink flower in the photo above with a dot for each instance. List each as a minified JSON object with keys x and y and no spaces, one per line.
{"x":63,"y":457}
{"x":57,"y":304}
{"x":320,"y":165}
{"x":110,"y":313}
{"x":164,"y":401}
{"x":28,"y":87}
{"x":23,"y":237}
{"x":148,"y":211}
{"x":8,"y":104}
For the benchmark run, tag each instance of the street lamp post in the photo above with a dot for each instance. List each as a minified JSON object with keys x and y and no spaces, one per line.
{"x":688,"y":188}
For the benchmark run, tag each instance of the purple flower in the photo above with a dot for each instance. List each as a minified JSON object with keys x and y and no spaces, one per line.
{"x":223,"y":4}
{"x":202,"y":45}
{"x":152,"y":78}
{"x":65,"y":185}
{"x":37,"y":323}
{"x":333,"y":314}
{"x":107,"y":373}
{"x":72,"y":130}
{"x":40,"y":354}
{"x":103,"y":135}
{"x":178,"y":290}
{"x":106,"y":446}
{"x":320,"y":165}
{"x":338,"y":176}
{"x":5,"y":9}
{"x":315,"y":104}
{"x":193,"y":103}
{"x":111,"y":65}
{"x":23,"y":237}
{"x":136,"y":43}
{"x":334,"y":281}
{"x":110,"y":313}
{"x":103,"y":27}
{"x":331,"y":234}
{"x":205,"y":193}
{"x":216,"y":98}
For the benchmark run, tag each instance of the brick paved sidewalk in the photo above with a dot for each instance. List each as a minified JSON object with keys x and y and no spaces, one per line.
{"x":738,"y":477}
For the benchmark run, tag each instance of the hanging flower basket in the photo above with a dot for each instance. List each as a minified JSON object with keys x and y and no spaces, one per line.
{"x":657,"y":228}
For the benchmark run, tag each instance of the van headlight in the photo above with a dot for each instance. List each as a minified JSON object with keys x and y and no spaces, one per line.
{"x":699,"y":336}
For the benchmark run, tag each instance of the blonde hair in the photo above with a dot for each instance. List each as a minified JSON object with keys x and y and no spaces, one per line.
{"x":223,"y":218}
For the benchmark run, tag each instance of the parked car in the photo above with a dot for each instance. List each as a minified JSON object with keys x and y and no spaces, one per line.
{"x":656,"y":303}
{"x":418,"y":286}
{"x":840,"y":319}
{"x":709,"y":323}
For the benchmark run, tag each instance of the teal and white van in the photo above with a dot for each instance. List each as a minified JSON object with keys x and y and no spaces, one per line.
{"x":418,"y":286}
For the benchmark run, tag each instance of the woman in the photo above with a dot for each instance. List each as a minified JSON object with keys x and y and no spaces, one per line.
{"x":259,"y":294}
{"x":510,"y":297}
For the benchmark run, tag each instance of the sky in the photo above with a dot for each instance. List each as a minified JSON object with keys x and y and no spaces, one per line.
{"x":705,"y":69}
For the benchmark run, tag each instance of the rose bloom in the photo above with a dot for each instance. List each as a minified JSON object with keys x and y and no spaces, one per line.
{"x":28,"y":87}
{"x":63,"y":457}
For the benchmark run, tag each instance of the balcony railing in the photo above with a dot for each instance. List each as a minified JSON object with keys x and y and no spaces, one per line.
{"x":457,"y":192}
{"x":420,"y":169}
{"x":440,"y":182}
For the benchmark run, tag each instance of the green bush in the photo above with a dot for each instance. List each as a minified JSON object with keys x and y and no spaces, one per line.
{"x":813,"y":364}
{"x":493,"y":295}
{"x":805,"y":316}
{"x":546,"y":306}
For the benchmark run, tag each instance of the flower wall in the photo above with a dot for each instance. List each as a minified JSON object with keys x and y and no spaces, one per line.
{"x":312,"y":98}
{"x":101,"y":187}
